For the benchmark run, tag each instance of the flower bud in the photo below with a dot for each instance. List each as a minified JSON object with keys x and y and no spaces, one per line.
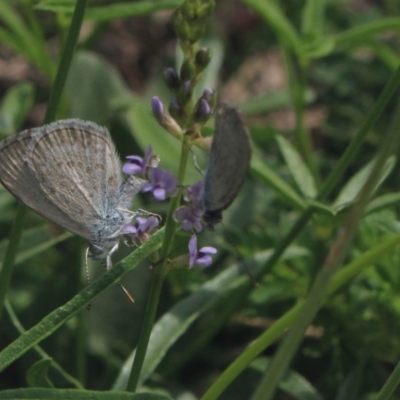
{"x":158,"y":108}
{"x":210,"y":96}
{"x":202,"y":58}
{"x":202,"y":111}
{"x":164,"y":119}
{"x":188,"y":70}
{"x":172,"y":79}
{"x":175,"y":108}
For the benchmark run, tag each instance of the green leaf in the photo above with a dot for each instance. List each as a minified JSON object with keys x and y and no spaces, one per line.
{"x":124,"y":10}
{"x":68,"y":394}
{"x":320,"y":207}
{"x":272,"y":101}
{"x":351,"y":386}
{"x":61,"y":6}
{"x":111,"y":11}
{"x":317,"y":48}
{"x":382,"y":202}
{"x":266,"y":175}
{"x":34,"y":241}
{"x":352,"y":188}
{"x":25,"y":40}
{"x":293,"y":383}
{"x":99,"y":86}
{"x":15,"y":106}
{"x":360,"y":32}
{"x":313,"y":18}
{"x":274,"y":17}
{"x":297,"y":167}
{"x":37,"y":374}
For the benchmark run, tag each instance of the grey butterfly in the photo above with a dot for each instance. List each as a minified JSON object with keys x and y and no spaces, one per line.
{"x":228,"y":164}
{"x":69,"y":172}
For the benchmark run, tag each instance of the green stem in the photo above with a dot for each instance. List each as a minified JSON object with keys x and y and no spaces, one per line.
{"x":55,"y":96}
{"x":158,"y":278}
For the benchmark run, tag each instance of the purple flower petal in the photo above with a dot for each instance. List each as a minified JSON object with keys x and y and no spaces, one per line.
{"x":129,"y":229}
{"x":147,"y":187}
{"x":159,"y":194}
{"x":131,"y":169}
{"x":197,"y":225}
{"x":192,"y":250}
{"x":186,"y":225}
{"x":194,"y":195}
{"x":200,"y":258}
{"x":204,"y":261}
{"x":136,"y":159}
{"x":163,"y":179}
{"x":141,"y":229}
{"x":208,"y":250}
{"x":189,"y":218}
{"x":152,"y":222}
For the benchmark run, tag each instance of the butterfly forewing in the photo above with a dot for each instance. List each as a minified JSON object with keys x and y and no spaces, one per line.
{"x":74,"y":168}
{"x":229,"y":160}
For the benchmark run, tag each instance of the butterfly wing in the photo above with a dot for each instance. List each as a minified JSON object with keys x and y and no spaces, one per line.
{"x":228,"y":162}
{"x":66,"y":171}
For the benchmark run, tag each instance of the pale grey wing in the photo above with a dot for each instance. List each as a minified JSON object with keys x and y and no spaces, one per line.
{"x":78,"y":171}
{"x":129,"y":189}
{"x":229,"y":160}
{"x":21,"y":181}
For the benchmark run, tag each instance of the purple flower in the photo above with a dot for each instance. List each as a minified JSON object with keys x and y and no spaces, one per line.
{"x":138,"y":165}
{"x":142,"y":228}
{"x":203,"y":110}
{"x":201,"y":257}
{"x":194,"y":194}
{"x":189,"y":218}
{"x":162,"y":184}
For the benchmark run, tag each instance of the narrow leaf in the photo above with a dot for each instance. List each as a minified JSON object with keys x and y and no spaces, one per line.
{"x":37,"y":374}
{"x":298,"y":168}
{"x":352,"y":188}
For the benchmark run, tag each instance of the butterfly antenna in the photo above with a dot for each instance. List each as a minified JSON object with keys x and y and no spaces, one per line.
{"x":87,"y":273}
{"x":240,"y":257}
{"x":108,"y":267}
{"x":127,"y":294}
{"x":87,"y":267}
